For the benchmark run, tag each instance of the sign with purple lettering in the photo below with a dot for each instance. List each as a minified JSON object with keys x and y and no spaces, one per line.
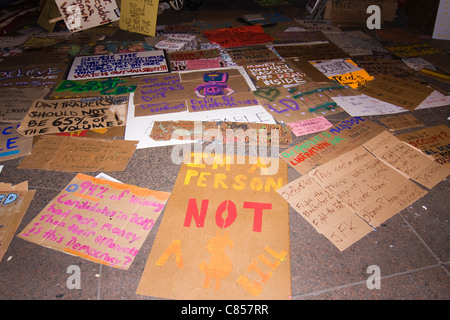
{"x":84,"y":14}
{"x":118,"y":65}
{"x":97,"y":219}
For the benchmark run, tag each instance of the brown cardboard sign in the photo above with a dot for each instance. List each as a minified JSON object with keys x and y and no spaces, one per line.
{"x":69,"y":115}
{"x":347,"y":196}
{"x":77,"y":154}
{"x":197,"y":90}
{"x":15,"y":102}
{"x":224,"y":234}
{"x":253,"y":54}
{"x":401,"y":122}
{"x":14,"y":202}
{"x":406,"y":159}
{"x":406,"y":94}
{"x":324,"y":146}
{"x":311,"y":52}
{"x":274,"y":74}
{"x":434,"y":141}
{"x":305,"y":101}
{"x":97,"y":219}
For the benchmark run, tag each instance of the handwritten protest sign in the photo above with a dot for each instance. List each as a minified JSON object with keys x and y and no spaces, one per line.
{"x":75,"y":154}
{"x":68,"y":115}
{"x":90,"y":88}
{"x":347,"y":196}
{"x":406,"y":159}
{"x":24,"y":72}
{"x":238,"y":36}
{"x":253,"y":54}
{"x":274,"y":74}
{"x":434,"y":141}
{"x":305,"y":101}
{"x":12,"y":144}
{"x":119,"y":64}
{"x":139,"y":16}
{"x":97,"y":219}
{"x":186,"y":59}
{"x":15,"y":102}
{"x":84,"y":14}
{"x":323,"y":147}
{"x":401,"y":122}
{"x":224,"y":234}
{"x":196,"y":90}
{"x":355,"y":42}
{"x":406,"y":94}
{"x":308,"y":126}
{"x":344,"y":71}
{"x":311,"y":52}
{"x":14,"y":202}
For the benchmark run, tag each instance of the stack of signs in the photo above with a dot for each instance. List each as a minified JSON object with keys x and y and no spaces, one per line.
{"x":97,"y":219}
{"x":225,"y":235}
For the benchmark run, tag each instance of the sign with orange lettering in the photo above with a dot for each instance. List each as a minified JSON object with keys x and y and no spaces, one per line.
{"x":225,"y":233}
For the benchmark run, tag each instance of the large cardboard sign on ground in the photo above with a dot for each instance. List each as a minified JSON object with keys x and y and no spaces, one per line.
{"x":119,"y":64}
{"x":78,"y":154}
{"x":138,"y":16}
{"x":224,"y":234}
{"x":97,"y":219}
{"x":69,"y":115}
{"x":196,"y":90}
{"x":14,"y":202}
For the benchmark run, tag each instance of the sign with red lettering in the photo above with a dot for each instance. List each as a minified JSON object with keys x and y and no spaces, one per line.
{"x":225,"y":233}
{"x":97,"y":219}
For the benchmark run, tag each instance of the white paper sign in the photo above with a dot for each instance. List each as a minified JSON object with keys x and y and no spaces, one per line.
{"x":84,"y":14}
{"x":118,"y":65}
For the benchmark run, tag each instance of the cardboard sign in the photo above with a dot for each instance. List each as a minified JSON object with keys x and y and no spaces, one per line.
{"x":406,"y":94}
{"x":14,"y":202}
{"x":190,"y":59}
{"x":119,"y":64}
{"x":85,"y":14}
{"x":75,"y":154}
{"x":12,"y":144}
{"x":97,"y":219}
{"x":441,"y":28}
{"x":224,"y":234}
{"x":198,"y":90}
{"x":344,"y":71}
{"x":355,"y":42}
{"x":15,"y":102}
{"x":256,"y":133}
{"x":433,"y":141}
{"x":69,"y":115}
{"x":302,"y":102}
{"x":253,"y":54}
{"x":406,"y":159}
{"x":311,"y":52}
{"x":401,"y":122}
{"x":182,"y":130}
{"x":347,"y":196}
{"x":274,"y":74}
{"x":90,"y":88}
{"x":324,"y":146}
{"x":24,"y":72}
{"x":238,"y":36}
{"x":138,"y":16}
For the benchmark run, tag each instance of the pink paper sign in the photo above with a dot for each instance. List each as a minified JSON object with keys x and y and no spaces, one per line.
{"x":304,"y":127}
